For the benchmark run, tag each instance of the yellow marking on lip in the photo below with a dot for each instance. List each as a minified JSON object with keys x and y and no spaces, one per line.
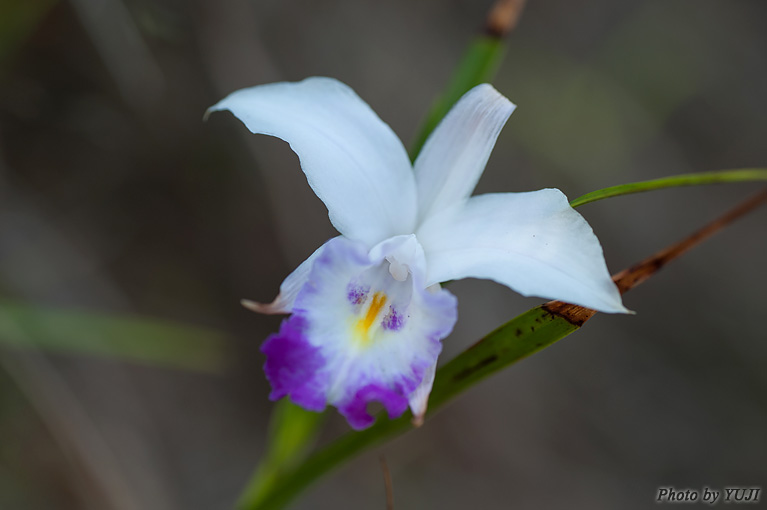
{"x":363,"y":325}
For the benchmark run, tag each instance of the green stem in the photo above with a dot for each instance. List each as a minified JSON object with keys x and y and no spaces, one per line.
{"x":739,"y":175}
{"x":478,"y":65}
{"x":292,"y":433}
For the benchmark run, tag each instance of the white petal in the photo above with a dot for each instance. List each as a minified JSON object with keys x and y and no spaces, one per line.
{"x":405,"y":256}
{"x":533,"y":242}
{"x":289,"y":288}
{"x":419,"y":399}
{"x":353,"y":161}
{"x":454,"y":157}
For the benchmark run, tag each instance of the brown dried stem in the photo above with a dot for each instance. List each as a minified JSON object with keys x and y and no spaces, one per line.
{"x":503,"y":17}
{"x":635,"y":275}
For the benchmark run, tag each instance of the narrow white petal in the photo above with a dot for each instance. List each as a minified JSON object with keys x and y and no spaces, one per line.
{"x":454,"y":157}
{"x":419,"y":399}
{"x":533,"y":242}
{"x":289,"y":288}
{"x":353,"y":160}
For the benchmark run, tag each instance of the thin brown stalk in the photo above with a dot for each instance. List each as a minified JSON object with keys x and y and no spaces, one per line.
{"x":638,"y":273}
{"x":387,"y":483}
{"x":503,"y":17}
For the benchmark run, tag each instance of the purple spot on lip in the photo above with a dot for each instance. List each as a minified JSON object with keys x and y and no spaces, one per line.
{"x":392,"y":321}
{"x":356,"y":294}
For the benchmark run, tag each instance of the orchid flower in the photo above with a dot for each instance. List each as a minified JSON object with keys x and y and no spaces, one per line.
{"x":367,"y":311}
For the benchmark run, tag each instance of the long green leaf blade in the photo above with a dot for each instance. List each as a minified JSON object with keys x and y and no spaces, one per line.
{"x":696,"y":179}
{"x":109,"y":335}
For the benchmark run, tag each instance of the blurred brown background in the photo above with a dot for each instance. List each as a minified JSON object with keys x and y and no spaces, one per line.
{"x":115,"y":196}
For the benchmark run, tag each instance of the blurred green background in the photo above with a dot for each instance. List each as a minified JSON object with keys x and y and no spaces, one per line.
{"x":116,"y":199}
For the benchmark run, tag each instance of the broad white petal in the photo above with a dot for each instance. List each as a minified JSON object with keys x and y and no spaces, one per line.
{"x":454,"y":157}
{"x":533,"y":242}
{"x":353,"y":160}
{"x":289,"y":288}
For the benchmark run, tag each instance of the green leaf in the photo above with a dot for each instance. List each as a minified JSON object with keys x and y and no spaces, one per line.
{"x":293,"y":431}
{"x":517,"y":339}
{"x":478,"y":65}
{"x":740,"y":175}
{"x":109,"y":335}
